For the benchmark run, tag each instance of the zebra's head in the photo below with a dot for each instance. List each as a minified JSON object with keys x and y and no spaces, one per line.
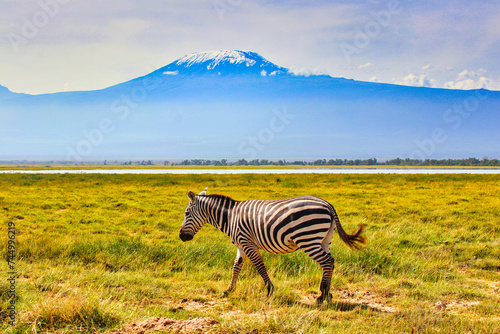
{"x":194,"y":218}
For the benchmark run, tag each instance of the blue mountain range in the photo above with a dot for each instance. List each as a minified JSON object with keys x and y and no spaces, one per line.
{"x":236,"y":104}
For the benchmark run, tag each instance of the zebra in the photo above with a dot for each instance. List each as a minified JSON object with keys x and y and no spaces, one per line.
{"x":276,"y":226}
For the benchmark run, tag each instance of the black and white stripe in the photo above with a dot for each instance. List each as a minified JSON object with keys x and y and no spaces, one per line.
{"x":276,"y":226}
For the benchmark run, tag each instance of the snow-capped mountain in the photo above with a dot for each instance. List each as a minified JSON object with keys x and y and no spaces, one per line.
{"x":237,"y":104}
{"x":232,"y":62}
{"x":215,"y":58}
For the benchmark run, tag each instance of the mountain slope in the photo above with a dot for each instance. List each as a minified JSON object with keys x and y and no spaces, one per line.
{"x":236,"y":104}
{"x":5,"y":93}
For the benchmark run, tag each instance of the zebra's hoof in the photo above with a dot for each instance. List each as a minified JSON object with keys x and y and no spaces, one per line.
{"x":225,"y":294}
{"x":322,"y":298}
{"x":270,"y":290}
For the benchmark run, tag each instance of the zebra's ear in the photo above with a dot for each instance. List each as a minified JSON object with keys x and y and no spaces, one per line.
{"x":204,"y":192}
{"x":192,"y":197}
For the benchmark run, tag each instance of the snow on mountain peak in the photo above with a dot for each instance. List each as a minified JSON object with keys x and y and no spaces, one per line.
{"x":215,"y":58}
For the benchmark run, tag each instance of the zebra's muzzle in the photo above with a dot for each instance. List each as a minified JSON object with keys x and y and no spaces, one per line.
{"x":185,"y":236}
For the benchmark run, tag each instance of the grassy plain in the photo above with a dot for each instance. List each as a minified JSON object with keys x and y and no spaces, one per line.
{"x":95,"y":252}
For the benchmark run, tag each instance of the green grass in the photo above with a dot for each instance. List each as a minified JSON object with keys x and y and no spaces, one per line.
{"x":96,"y":252}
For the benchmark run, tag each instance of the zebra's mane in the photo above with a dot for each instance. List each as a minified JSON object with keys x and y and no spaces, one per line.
{"x":219,"y":196}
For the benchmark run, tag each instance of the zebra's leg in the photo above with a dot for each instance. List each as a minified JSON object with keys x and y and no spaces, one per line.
{"x":253,"y":254}
{"x":326,"y":261}
{"x":328,"y":264}
{"x":238,"y":263}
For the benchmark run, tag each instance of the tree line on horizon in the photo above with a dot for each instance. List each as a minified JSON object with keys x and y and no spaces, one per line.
{"x":469,"y":162}
{"x":343,"y":162}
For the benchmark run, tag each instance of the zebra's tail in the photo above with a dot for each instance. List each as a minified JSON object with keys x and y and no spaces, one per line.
{"x":354,"y":241}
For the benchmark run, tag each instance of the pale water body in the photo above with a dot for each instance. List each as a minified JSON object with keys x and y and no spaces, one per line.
{"x":262,"y":171}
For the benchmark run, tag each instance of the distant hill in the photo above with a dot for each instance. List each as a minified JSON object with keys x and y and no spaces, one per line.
{"x":236,"y":104}
{"x":5,"y":93}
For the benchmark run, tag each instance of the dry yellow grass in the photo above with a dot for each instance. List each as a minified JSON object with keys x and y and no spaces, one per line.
{"x":97,"y":252}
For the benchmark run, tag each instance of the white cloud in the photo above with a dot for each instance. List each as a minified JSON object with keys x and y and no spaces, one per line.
{"x":415,"y":80}
{"x":471,"y":80}
{"x":305,"y":71}
{"x":373,"y":79}
{"x":367,"y":65}
{"x":426,"y":67}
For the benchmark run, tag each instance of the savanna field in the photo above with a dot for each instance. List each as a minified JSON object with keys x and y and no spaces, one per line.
{"x":97,"y":253}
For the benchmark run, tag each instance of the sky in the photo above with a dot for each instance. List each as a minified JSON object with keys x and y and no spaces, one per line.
{"x":66,"y":45}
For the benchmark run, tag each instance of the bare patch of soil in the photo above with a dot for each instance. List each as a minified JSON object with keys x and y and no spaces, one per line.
{"x":150,"y":325}
{"x":446,"y":306}
{"x":349,"y":300}
{"x":366,"y":299}
{"x":191,"y":305}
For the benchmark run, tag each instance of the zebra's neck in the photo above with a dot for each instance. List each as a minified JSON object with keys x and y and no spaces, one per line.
{"x":218,"y":209}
